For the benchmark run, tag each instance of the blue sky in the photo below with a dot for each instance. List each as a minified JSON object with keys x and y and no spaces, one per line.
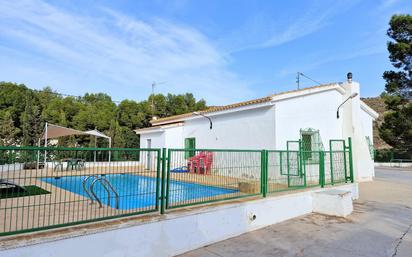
{"x":222,"y":51}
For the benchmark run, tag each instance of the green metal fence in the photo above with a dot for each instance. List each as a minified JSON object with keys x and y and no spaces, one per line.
{"x":44,"y":188}
{"x":294,"y":169}
{"x":51,"y":187}
{"x":210,"y":175}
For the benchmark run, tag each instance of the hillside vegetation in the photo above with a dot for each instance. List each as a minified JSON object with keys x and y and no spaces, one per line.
{"x":377,"y":104}
{"x":23,"y":113}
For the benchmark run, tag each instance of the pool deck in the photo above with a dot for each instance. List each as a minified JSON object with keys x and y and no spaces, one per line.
{"x":62,"y":206}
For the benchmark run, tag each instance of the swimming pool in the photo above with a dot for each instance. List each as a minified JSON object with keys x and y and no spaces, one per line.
{"x":137,"y":191}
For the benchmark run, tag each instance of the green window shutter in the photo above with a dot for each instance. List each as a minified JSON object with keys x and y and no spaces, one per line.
{"x":190,"y":143}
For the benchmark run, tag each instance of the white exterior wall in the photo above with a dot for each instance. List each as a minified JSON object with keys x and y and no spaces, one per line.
{"x":174,"y":137}
{"x":317,"y":111}
{"x":248,"y":129}
{"x":353,"y":126}
{"x":158,"y":140}
{"x":367,"y":124}
{"x":271,"y":125}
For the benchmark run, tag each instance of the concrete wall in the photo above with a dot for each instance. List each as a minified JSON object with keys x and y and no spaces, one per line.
{"x":394,"y":164}
{"x":11,"y":167}
{"x":353,"y":118}
{"x":174,"y":137}
{"x":367,"y":124}
{"x":158,"y":140}
{"x":180,"y":232}
{"x":247,"y":129}
{"x":317,"y":111}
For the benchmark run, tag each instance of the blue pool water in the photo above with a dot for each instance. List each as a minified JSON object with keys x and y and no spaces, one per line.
{"x":137,"y":191}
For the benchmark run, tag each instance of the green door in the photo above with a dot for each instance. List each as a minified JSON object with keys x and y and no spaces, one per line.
{"x":190,"y":143}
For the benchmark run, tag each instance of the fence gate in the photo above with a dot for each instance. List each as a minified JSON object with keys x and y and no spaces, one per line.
{"x":294,"y":170}
{"x":338,"y":159}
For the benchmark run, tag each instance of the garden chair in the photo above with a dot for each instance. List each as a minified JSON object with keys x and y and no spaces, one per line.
{"x":79,"y":164}
{"x":58,"y":164}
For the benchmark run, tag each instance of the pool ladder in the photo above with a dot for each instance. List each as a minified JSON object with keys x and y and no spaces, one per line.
{"x":105,"y":184}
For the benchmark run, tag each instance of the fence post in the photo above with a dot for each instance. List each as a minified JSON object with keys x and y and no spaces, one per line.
{"x":350,"y":160}
{"x":344,"y":161}
{"x":322,"y":168}
{"x":331,"y":162}
{"x":162,"y":194}
{"x":168,"y":159}
{"x":266,"y":172}
{"x":263,"y":173}
{"x":158,"y":178}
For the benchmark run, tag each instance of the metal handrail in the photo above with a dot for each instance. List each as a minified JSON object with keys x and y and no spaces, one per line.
{"x":104,"y":182}
{"x":85,"y":188}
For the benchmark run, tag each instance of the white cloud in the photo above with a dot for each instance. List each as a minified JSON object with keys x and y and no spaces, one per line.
{"x":319,"y":59}
{"x":261,"y":31}
{"x":111,"y":52}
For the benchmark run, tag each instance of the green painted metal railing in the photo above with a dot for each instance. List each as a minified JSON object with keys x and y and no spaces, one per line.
{"x":42,"y":187}
{"x":151,"y":180}
{"x":212,"y":175}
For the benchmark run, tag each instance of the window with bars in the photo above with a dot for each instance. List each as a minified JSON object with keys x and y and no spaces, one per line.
{"x":311,"y":143}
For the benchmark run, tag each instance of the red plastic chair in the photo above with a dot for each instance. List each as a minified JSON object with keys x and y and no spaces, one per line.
{"x":201,"y":163}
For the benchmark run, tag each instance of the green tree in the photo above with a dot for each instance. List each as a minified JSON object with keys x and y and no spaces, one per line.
{"x":116,"y":133}
{"x":131,"y":139}
{"x":31,"y":122}
{"x":12,"y":98}
{"x":396,"y":129}
{"x":96,"y":111}
{"x":29,"y":109}
{"x":8,"y":132}
{"x":132,"y":114}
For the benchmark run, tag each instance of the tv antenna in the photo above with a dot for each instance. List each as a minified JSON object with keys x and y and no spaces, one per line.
{"x":303,"y":75}
{"x":154,"y":84}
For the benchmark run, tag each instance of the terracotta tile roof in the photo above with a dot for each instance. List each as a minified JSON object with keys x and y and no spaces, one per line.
{"x":235,"y":105}
{"x":159,"y":127}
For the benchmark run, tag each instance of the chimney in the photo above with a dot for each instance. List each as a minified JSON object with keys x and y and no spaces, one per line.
{"x":349,"y":77}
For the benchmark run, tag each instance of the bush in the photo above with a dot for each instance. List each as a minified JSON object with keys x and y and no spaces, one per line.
{"x":388,"y":155}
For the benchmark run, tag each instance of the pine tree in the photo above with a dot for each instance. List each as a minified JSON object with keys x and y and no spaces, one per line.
{"x":396,"y":129}
{"x":31,"y":123}
{"x":8,"y":132}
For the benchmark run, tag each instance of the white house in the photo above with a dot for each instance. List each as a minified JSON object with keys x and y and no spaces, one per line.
{"x":269,"y":122}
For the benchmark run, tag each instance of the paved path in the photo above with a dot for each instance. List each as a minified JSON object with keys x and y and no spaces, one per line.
{"x":379,"y":226}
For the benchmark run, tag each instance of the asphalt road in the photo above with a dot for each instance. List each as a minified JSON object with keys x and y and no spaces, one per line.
{"x":403,"y":176}
{"x":381,"y":225}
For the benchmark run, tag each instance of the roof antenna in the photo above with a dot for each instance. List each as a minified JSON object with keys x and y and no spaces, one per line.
{"x":154,"y":84}
{"x":303,"y":75}
{"x":298,"y":79}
